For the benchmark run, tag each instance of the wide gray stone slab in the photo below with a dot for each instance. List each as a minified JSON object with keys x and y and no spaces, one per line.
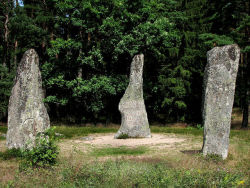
{"x":134,"y":116}
{"x":27,"y":114}
{"x":218,"y":97}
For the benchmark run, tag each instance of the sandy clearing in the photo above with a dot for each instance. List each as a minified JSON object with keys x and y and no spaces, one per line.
{"x":108,"y":139}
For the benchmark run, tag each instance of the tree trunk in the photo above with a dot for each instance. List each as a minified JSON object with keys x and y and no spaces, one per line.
{"x":246,"y":92}
{"x":80,"y":52}
{"x":15,"y":56}
{"x":6,"y":37}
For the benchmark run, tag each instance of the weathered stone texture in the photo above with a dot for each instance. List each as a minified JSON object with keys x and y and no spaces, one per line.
{"x":218,"y":96}
{"x":27,"y":114}
{"x":134,"y":116}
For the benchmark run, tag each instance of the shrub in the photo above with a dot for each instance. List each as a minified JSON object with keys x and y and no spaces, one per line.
{"x":45,"y":151}
{"x":123,"y":136}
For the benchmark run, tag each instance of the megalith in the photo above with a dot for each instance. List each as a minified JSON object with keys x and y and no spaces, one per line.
{"x":134,"y":121}
{"x":218,"y":97}
{"x":27,"y":114}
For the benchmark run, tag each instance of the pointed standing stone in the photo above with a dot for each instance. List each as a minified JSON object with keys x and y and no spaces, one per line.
{"x":132,"y":107}
{"x":219,"y":87}
{"x":27,"y":114}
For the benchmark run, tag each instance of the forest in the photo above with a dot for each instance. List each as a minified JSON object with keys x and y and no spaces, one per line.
{"x":85,"y":49}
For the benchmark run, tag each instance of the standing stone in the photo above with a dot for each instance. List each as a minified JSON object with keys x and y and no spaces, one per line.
{"x":218,"y":96}
{"x":27,"y":114}
{"x":132,"y":107}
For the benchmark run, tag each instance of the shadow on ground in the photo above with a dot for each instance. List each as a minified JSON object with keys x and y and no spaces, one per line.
{"x":191,"y":152}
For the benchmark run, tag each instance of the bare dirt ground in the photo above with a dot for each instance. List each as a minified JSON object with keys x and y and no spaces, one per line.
{"x":108,"y":140}
{"x":163,"y":143}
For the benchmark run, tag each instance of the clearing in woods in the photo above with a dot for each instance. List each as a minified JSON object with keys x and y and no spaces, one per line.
{"x":88,"y":157}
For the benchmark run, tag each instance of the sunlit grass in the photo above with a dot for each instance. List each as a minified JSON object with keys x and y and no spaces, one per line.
{"x":118,"y":151}
{"x":123,"y":173}
{"x":180,"y":165}
{"x":69,"y":132}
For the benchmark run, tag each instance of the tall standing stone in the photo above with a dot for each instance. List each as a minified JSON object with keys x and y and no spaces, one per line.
{"x":27,"y":114}
{"x":132,"y":107}
{"x":219,"y":86}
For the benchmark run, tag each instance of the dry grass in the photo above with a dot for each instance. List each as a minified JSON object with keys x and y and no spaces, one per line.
{"x":8,"y":170}
{"x":181,"y":155}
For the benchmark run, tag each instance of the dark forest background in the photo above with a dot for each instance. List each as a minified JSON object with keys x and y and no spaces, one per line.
{"x":86,"y":47}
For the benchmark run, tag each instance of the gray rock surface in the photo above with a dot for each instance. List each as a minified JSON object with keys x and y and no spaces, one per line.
{"x":27,"y":114}
{"x":134,"y":116}
{"x":218,"y":96}
{"x":59,"y":135}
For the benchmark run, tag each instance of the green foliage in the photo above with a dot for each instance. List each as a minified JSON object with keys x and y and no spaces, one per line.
{"x":11,"y":153}
{"x":85,"y":49}
{"x":45,"y":151}
{"x":123,"y":136}
{"x":213,"y":157}
{"x":199,"y":126}
{"x":6,"y":81}
{"x":3,"y":129}
{"x":119,"y":151}
{"x":211,"y":40}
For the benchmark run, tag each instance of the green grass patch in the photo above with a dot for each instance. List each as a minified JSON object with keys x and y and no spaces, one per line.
{"x":11,"y":153}
{"x":241,"y":134}
{"x":187,"y":131}
{"x":134,"y":174}
{"x":2,"y":138}
{"x":119,"y":151}
{"x":3,"y":129}
{"x":69,"y":132}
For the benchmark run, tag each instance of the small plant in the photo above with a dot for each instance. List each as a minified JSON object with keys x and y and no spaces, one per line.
{"x":2,"y":138}
{"x":123,"y":136}
{"x":214,"y":157}
{"x":199,"y":126}
{"x":45,"y":151}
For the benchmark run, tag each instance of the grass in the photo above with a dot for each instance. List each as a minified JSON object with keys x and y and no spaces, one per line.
{"x":124,"y":173}
{"x":3,"y":129}
{"x":119,"y":151}
{"x":70,"y":132}
{"x":187,"y":131}
{"x":180,"y":165}
{"x":10,"y":154}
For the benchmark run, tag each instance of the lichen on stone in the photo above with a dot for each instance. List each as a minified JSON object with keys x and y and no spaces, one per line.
{"x":132,"y":107}
{"x":218,"y":96}
{"x":27,"y":115}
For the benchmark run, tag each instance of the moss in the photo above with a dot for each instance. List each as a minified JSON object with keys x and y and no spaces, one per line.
{"x":123,"y":136}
